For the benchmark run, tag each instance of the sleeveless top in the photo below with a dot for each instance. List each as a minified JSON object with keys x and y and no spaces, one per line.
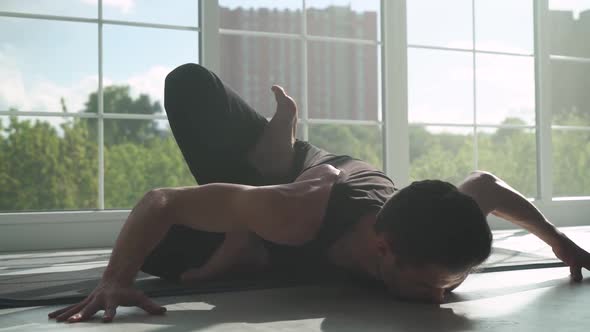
{"x":361,"y":189}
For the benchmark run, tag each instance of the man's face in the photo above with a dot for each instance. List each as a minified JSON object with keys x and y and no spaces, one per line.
{"x":427,"y":283}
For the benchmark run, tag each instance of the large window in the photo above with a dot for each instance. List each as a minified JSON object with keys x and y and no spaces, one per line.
{"x":497,"y":85}
{"x":81,"y":118}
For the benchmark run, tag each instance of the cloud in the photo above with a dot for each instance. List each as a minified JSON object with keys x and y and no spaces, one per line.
{"x":150,"y":82}
{"x":506,"y":88}
{"x":125,"y":6}
{"x":12,"y":91}
{"x":440,"y":88}
{"x":43,"y":95}
{"x":40,"y":94}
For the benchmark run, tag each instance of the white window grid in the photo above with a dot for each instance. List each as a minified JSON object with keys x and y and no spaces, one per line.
{"x":101,"y":115}
{"x":304,"y":37}
{"x":393,"y":123}
{"x":474,"y":125}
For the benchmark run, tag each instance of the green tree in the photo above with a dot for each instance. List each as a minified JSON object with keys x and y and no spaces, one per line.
{"x":44,"y":167}
{"x":41,"y":170}
{"x":117,"y":99}
{"x":571,"y":163}
{"x":29,"y":179}
{"x":79,"y":155}
{"x":442,"y":156}
{"x":363,"y":142}
{"x":132,"y":169}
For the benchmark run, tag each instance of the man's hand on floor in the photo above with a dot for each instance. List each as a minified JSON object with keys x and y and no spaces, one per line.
{"x":107,"y":296}
{"x":573,"y":256}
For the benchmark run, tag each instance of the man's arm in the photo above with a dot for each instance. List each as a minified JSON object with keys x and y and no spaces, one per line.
{"x":495,"y":196}
{"x":288,"y":214}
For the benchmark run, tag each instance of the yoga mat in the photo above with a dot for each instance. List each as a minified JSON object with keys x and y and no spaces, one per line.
{"x":64,"y":277}
{"x":37,"y":279}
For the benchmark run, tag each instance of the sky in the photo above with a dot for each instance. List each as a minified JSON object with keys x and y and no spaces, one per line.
{"x":43,"y":60}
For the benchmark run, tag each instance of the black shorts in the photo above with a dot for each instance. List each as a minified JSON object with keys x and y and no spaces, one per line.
{"x":214,"y":129}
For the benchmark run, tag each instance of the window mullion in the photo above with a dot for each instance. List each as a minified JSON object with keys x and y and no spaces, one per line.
{"x":304,"y":115}
{"x":395,"y":91}
{"x":543,"y":102}
{"x":209,"y":29}
{"x":474,"y":85}
{"x":100,"y":112}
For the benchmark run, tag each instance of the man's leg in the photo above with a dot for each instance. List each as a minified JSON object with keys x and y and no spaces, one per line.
{"x":212,"y":125}
{"x":214,"y":129}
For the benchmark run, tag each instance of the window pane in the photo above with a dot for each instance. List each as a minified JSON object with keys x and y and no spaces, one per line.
{"x":505,"y":89}
{"x":569,"y":93}
{"x":173,"y":12}
{"x":47,"y":163}
{"x":36,"y":75}
{"x":511,"y":155}
{"x":251,"y":65}
{"x":343,"y":81}
{"x":440,"y":23}
{"x":358,"y":141}
{"x":84,"y":8}
{"x":272,"y":16}
{"x":141,"y":155}
{"x":444,"y":153}
{"x":571,"y":162}
{"x":136,"y":62}
{"x":344,"y":18}
{"x":514,"y":34}
{"x":569,"y":27}
{"x":440,"y":86}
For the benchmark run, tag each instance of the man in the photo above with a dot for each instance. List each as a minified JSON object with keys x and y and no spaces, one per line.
{"x":269,"y":202}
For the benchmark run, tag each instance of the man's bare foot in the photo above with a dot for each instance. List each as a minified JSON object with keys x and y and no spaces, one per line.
{"x":273,"y":154}
{"x":286,"y":112}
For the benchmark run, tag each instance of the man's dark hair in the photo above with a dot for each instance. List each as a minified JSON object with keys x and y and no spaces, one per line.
{"x":432,"y":222}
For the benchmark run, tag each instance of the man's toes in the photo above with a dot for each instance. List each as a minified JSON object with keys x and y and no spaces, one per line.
{"x":278,"y":89}
{"x":280,"y":94}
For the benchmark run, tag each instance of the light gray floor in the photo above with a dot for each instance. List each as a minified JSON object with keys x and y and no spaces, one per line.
{"x":539,"y":300}
{"x":527,"y":300}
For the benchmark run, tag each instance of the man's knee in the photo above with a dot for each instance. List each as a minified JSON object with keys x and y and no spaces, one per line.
{"x":188,"y":72}
{"x":187,"y":82}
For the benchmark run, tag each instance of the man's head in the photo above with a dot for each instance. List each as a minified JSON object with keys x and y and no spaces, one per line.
{"x":430,"y":237}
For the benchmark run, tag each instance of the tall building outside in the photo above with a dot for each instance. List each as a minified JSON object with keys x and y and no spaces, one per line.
{"x":342,"y":77}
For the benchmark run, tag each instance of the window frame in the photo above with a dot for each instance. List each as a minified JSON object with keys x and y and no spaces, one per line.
{"x":19,"y":231}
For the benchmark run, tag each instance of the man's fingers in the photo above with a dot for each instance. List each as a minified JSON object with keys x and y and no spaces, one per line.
{"x":73,"y":310}
{"x":576,"y":273}
{"x":150,"y":307}
{"x":109,"y":313}
{"x":60,"y":311}
{"x":85,"y":313}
